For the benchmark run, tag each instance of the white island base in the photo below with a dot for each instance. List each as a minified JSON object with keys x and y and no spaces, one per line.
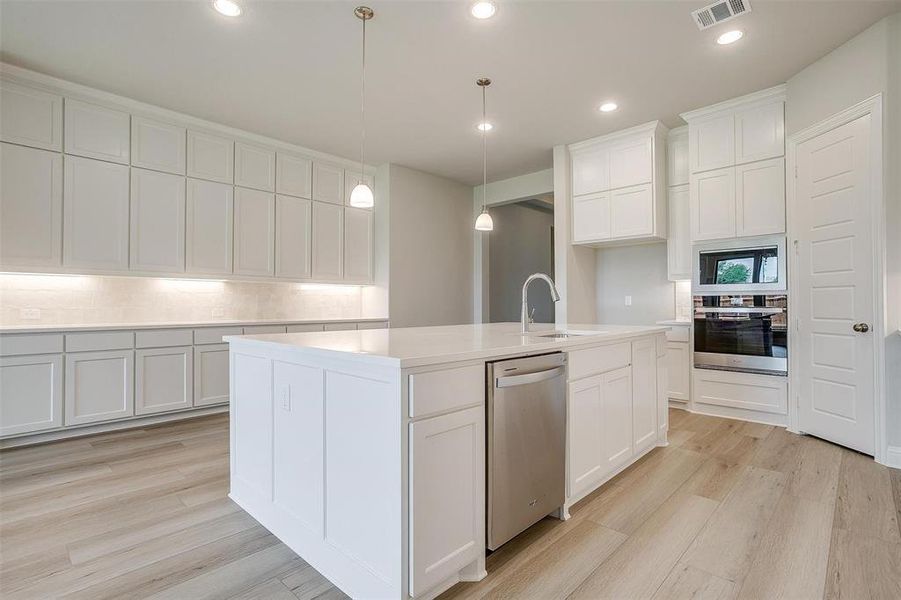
{"x":364,"y":451}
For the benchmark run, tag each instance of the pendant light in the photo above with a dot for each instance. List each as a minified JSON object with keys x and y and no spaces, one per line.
{"x":484,"y":221}
{"x":361,"y":196}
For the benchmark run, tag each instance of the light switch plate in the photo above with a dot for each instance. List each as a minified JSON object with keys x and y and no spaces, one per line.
{"x":30,"y":313}
{"x":628,"y":300}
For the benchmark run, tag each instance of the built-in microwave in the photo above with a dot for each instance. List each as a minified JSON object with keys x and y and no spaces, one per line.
{"x":743,"y":266}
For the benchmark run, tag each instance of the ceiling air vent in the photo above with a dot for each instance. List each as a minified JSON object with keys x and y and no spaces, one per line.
{"x":719,"y":12}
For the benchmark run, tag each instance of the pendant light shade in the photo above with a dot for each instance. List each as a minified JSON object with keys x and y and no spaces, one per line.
{"x":361,"y":196}
{"x":484,"y":222}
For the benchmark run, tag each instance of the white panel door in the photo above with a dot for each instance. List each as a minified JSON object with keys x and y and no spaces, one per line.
{"x":591,"y":217}
{"x":678,"y":242}
{"x":644,"y":394}
{"x":157,"y":221}
{"x":30,"y":117}
{"x":616,"y":392}
{"x":164,"y":379}
{"x":631,"y":163}
{"x":209,"y":224}
{"x":447,"y":478}
{"x":97,"y":131}
{"x":632,"y":211}
{"x":590,"y":171}
{"x":99,"y":386}
{"x":210,"y":157}
{"x":31,"y":393}
{"x":760,"y":133}
{"x":293,"y":175}
{"x":678,"y":370}
{"x":711,"y":143}
{"x":210,"y":374}
{"x":254,"y":167}
{"x":157,"y":145}
{"x":254,"y":232}
{"x":585,"y":416}
{"x":293,"y":237}
{"x":95,"y":214}
{"x":31,"y":206}
{"x":712,"y":204}
{"x":760,"y":198}
{"x":328,"y":241}
{"x":834,"y":227}
{"x":677,"y":159}
{"x":351,"y":179}
{"x":328,"y":183}
{"x":357,"y":245}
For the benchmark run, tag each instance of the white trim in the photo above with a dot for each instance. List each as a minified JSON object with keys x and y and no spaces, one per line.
{"x":892,"y":457}
{"x":776,"y":92}
{"x":871,"y":106}
{"x":649,"y":127}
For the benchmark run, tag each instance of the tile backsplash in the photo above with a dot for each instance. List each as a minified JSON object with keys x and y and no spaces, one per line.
{"x":683,"y":300}
{"x":88,"y":300}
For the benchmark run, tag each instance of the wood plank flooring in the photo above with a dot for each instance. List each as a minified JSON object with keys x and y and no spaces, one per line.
{"x":728,"y":510}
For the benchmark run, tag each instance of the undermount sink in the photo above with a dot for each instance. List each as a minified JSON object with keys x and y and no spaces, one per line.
{"x":562,"y":335}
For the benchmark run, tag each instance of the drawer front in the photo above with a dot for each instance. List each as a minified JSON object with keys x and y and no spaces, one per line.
{"x":161,"y":338}
{"x":438,"y":391}
{"x":592,"y":361}
{"x":260,"y":329}
{"x":31,"y":343}
{"x":305,"y":327}
{"x":213,"y":335}
{"x":748,"y":391}
{"x":677,"y":333}
{"x":101,"y":340}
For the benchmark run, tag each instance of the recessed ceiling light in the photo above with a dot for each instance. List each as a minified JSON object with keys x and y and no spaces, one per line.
{"x":730,"y":37}
{"x":229,"y":8}
{"x":485,"y":126}
{"x":608,"y":107}
{"x":483,"y":9}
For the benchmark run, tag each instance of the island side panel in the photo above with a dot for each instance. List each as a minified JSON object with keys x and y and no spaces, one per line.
{"x":316,"y":458}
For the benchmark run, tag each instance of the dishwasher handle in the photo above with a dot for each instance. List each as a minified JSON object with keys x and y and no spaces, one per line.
{"x":514,"y":380}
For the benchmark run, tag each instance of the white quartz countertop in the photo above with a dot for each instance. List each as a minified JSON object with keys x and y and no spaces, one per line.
{"x":675,"y":322}
{"x":419,"y":346}
{"x":40,"y":328}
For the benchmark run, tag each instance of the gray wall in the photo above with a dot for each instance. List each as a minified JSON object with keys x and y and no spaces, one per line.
{"x":637,"y":271}
{"x":519,"y":246}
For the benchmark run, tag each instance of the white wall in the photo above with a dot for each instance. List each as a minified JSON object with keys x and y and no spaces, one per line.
{"x":431,"y":249}
{"x":639,"y":272}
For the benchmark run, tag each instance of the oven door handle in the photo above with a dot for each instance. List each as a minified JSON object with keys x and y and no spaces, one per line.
{"x":743,"y":310}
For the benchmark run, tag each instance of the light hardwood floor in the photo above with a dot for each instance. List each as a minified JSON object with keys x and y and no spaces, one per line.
{"x":728,"y":510}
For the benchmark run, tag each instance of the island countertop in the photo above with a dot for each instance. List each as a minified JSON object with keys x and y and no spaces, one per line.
{"x":419,"y":346}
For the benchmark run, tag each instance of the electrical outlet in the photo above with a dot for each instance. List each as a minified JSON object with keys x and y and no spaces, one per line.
{"x":286,"y":398}
{"x":30,"y":313}
{"x":628,"y":300}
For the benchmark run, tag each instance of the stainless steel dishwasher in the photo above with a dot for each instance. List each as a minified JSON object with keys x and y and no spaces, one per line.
{"x":526,"y":438}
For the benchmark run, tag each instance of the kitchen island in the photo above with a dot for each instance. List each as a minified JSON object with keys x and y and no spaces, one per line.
{"x":364,"y":451}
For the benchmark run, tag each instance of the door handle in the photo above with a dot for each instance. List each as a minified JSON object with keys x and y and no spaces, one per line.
{"x":861,"y":327}
{"x":514,"y":380}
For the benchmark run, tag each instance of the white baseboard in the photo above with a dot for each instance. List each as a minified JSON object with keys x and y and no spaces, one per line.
{"x":893,"y":457}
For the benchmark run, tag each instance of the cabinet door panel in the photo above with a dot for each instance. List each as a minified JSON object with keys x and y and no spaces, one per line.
{"x":157,"y":145}
{"x":678,"y":244}
{"x":31,"y":206}
{"x":210,"y":157}
{"x":210,"y":374}
{"x":678,"y":369}
{"x":328,"y":241}
{"x":293,"y":237}
{"x":254,"y":232}
{"x":677,"y":168}
{"x":97,"y":131}
{"x":357,"y":245}
{"x":254,"y":167}
{"x":591,"y":218}
{"x":632,"y":211}
{"x":760,"y":197}
{"x":163,"y":379}
{"x":447,"y":495}
{"x":617,"y":417}
{"x":585,"y":414}
{"x":294,"y":175}
{"x":209,"y":224}
{"x":644,"y":394}
{"x":31,"y":117}
{"x":95,"y":214}
{"x":31,"y":393}
{"x":760,"y":133}
{"x":157,"y":221}
{"x":99,"y":386}
{"x":631,"y":163}
{"x":590,"y":171}
{"x":712,"y":202}
{"x":328,"y":183}
{"x":712,"y":143}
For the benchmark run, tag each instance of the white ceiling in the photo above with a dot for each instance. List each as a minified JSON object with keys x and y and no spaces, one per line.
{"x":290,"y":70}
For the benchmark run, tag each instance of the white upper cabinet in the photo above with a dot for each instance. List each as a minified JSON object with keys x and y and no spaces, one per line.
{"x":677,"y":157}
{"x":357,"y":245}
{"x":157,"y":221}
{"x":711,"y":143}
{"x":293,"y":237}
{"x":209,"y":224}
{"x":157,"y":145}
{"x":631,"y":162}
{"x":294,"y":175}
{"x":328,"y":183}
{"x":254,"y":232}
{"x":590,"y":170}
{"x":328,"y":241}
{"x":712,"y":201}
{"x":760,"y":132}
{"x":31,"y":206}
{"x":678,"y":243}
{"x":95,"y":214}
{"x":211,"y":157}
{"x":254,"y":167}
{"x":632,"y":212}
{"x":760,"y":197}
{"x":30,"y":116}
{"x":591,"y":217}
{"x":351,"y":179}
{"x":97,"y":131}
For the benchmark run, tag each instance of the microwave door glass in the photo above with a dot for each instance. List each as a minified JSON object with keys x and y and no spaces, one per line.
{"x":739,"y":267}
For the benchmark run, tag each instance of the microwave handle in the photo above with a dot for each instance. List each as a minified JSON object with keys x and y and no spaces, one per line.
{"x":766,"y":310}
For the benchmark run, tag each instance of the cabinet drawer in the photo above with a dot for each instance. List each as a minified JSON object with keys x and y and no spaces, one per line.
{"x":260,"y":329}
{"x":438,"y":391}
{"x":32,"y":343}
{"x":101,"y":340}
{"x":592,"y":361}
{"x":678,"y":333}
{"x":305,"y":327}
{"x":748,"y":391}
{"x":161,"y":338}
{"x":213,"y":335}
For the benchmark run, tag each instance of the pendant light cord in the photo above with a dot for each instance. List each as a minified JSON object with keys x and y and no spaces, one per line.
{"x":484,"y":127}
{"x":363,"y":102}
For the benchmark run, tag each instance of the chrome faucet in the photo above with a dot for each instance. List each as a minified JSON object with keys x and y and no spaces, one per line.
{"x":555,"y":296}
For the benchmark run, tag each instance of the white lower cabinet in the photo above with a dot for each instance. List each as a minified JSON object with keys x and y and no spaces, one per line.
{"x":210,"y":374}
{"x":585,"y":416}
{"x":163,"y":379}
{"x":644,"y":394}
{"x":617,"y":418}
{"x":678,"y":371}
{"x":447,"y":490}
{"x":99,"y":386}
{"x":31,"y":393}
{"x":760,"y":394}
